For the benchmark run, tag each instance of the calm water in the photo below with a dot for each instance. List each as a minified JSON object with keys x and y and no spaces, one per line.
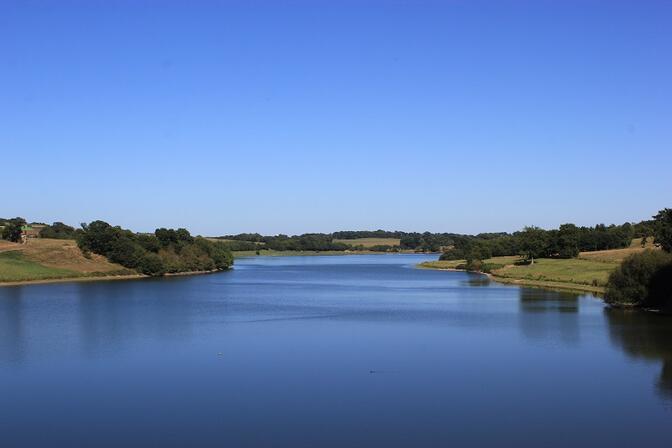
{"x":328,"y":351}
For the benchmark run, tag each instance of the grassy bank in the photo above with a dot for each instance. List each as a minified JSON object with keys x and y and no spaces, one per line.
{"x":574,"y":274}
{"x":15,"y":267}
{"x":588,"y":272}
{"x":49,"y":260}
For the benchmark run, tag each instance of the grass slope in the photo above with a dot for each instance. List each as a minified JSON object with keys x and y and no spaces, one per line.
{"x":14,"y":267}
{"x":47,"y":259}
{"x":589,"y":272}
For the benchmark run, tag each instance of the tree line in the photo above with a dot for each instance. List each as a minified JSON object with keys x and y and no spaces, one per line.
{"x":421,"y":242}
{"x":534,"y":242}
{"x":12,"y":229}
{"x":565,"y":242}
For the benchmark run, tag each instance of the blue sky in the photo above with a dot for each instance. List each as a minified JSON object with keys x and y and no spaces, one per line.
{"x":287,"y":116}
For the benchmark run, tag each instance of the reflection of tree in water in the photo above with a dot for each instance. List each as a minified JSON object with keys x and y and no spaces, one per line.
{"x":542,"y":300}
{"x":547,"y":314}
{"x":115,"y":314}
{"x":477,"y":280}
{"x":646,"y":336}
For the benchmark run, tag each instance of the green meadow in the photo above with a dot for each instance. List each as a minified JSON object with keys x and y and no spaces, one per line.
{"x":14,"y":267}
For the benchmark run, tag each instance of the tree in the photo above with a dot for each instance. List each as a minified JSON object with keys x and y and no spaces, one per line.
{"x":663,"y":229}
{"x":533,"y":243}
{"x":568,"y":241}
{"x":12,"y":231}
{"x":640,"y":281}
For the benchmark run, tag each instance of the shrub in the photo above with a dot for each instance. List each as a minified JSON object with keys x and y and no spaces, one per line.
{"x":631,"y":284}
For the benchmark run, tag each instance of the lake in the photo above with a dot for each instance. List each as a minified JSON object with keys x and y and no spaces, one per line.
{"x":328,"y":351}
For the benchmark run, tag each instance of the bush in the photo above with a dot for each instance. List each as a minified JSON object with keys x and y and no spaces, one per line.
{"x":640,"y":281}
{"x":489,"y":267}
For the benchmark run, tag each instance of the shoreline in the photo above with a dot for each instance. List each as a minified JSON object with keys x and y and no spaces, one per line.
{"x":544,"y":284}
{"x":102,"y":278}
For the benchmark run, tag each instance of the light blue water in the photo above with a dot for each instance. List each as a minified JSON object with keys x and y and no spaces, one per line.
{"x":328,"y":351}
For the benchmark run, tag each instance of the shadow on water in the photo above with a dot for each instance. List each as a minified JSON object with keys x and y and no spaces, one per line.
{"x":12,"y":334}
{"x":477,"y":280}
{"x":646,"y":336}
{"x":549,"y":315}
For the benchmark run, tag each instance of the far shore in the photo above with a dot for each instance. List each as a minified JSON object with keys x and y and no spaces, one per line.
{"x":308,"y":253}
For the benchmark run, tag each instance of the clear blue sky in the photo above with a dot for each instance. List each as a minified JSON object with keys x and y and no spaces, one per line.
{"x":286,"y":116}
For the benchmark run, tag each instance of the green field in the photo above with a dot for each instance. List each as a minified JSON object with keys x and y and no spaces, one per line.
{"x":573,"y":270}
{"x":15,"y":268}
{"x":370,"y":242}
{"x":575,"y":273}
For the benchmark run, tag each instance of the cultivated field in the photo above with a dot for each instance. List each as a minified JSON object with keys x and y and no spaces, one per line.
{"x":369,"y":242}
{"x":617,"y":255}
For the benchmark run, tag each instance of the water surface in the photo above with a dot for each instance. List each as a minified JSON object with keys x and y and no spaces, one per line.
{"x":328,"y":351}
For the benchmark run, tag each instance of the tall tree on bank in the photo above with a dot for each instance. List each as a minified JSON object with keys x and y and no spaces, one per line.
{"x":533,"y":242}
{"x":663,"y":229}
{"x":644,"y":279}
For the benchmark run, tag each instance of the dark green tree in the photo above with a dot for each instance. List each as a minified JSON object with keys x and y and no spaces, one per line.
{"x":533,"y":243}
{"x":631,"y":283}
{"x":568,"y":241}
{"x":663,"y":229}
{"x":12,"y":230}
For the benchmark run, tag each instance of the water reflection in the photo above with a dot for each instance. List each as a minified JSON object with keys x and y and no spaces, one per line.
{"x":115,"y":314}
{"x":549,"y":315}
{"x":477,"y":280}
{"x":646,"y":336}
{"x":12,"y":333}
{"x":537,"y":300}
